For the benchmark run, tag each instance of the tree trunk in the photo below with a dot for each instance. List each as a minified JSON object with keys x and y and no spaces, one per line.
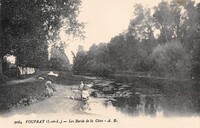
{"x":1,"y":44}
{"x":1,"y":67}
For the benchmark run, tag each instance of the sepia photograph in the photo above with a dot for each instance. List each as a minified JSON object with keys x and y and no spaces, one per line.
{"x":99,"y":63}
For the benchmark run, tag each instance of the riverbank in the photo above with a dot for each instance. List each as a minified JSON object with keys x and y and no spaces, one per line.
{"x":65,"y":105}
{"x":22,"y":92}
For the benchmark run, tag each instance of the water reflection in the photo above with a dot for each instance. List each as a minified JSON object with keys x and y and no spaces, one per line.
{"x":168,"y":99}
{"x":136,"y":105}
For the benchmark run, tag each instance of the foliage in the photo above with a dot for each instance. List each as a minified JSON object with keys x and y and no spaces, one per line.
{"x":79,"y":61}
{"x":162,"y":41}
{"x":58,"y":59}
{"x":27,"y":26}
{"x":172,"y":58}
{"x":94,"y":61}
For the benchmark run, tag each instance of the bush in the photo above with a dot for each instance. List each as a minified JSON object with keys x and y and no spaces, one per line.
{"x":3,"y":79}
{"x":101,"y":69}
{"x":172,"y":58}
{"x":12,"y":72}
{"x":57,"y":64}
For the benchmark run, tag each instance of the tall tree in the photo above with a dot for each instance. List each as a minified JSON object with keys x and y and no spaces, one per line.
{"x":142,"y":26}
{"x":1,"y":47}
{"x":80,"y":60}
{"x":59,"y":59}
{"x":196,"y":47}
{"x":28,"y":25}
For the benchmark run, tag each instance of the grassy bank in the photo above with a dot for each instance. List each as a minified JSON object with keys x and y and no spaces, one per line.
{"x":22,"y":94}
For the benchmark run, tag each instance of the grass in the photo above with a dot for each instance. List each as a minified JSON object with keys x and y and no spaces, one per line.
{"x":3,"y":79}
{"x":12,"y":95}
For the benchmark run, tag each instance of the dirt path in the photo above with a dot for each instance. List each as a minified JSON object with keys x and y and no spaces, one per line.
{"x":56,"y":109}
{"x":31,"y":79}
{"x":60,"y":102}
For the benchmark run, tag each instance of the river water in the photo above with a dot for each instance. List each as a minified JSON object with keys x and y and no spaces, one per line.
{"x":148,"y":97}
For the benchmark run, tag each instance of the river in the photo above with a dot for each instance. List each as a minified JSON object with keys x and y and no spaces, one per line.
{"x":149,"y":97}
{"x":129,"y":103}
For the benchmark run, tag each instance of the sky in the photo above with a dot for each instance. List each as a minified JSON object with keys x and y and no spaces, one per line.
{"x":104,"y":19}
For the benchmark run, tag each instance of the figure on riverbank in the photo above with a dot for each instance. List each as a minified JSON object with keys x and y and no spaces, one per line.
{"x":81,"y":86}
{"x":84,"y":90}
{"x":85,"y":94}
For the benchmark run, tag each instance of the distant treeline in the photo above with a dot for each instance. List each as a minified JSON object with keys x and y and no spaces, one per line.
{"x":163,"y":40}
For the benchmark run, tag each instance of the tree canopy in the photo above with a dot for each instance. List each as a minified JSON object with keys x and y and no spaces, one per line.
{"x":163,"y":40}
{"x":27,"y":27}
